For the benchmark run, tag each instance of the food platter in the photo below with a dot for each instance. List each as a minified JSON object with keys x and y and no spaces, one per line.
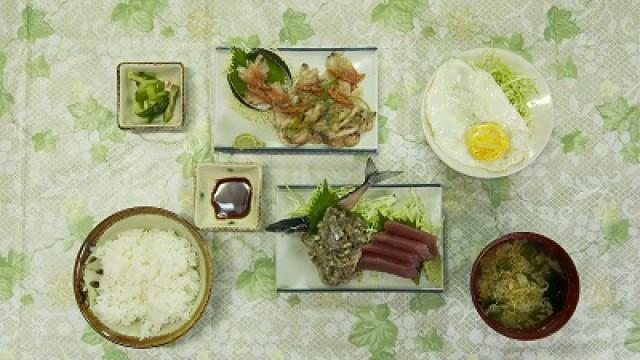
{"x":232,"y":119}
{"x":540,"y":106}
{"x":291,"y":253}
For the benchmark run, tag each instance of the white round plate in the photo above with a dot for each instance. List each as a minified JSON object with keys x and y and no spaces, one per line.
{"x":540,"y":106}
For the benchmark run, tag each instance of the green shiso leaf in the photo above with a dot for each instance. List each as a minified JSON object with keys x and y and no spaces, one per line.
{"x":374,"y":211}
{"x":320,"y":202}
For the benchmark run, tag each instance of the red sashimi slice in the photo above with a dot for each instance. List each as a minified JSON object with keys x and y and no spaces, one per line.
{"x":404,"y":244}
{"x":405,"y":231}
{"x":397,"y":255}
{"x":377,"y":263}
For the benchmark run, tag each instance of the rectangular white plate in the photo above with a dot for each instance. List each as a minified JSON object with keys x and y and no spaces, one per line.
{"x":229,"y":122}
{"x":296,"y":273}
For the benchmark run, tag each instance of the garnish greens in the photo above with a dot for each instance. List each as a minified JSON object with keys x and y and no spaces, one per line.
{"x":374,"y":211}
{"x":321,"y":199}
{"x":153,"y":97}
{"x":514,"y":86}
{"x":241,"y":57}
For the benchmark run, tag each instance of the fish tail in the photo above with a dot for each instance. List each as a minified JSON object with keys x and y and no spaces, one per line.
{"x":373,"y":176}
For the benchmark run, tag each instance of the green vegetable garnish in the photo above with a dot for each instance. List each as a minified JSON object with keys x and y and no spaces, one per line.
{"x":374,"y":211}
{"x":152,"y":109}
{"x":514,"y":86}
{"x":322,"y":199}
{"x":151,"y":97}
{"x":248,"y":141}
{"x":140,"y":77}
{"x":173,"y":97}
{"x":239,"y":58}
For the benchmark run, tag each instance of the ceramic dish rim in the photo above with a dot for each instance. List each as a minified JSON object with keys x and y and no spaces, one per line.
{"x":255,"y":228}
{"x":158,"y":126}
{"x":80,"y":263}
{"x":558,"y":319}
{"x":478,"y":172}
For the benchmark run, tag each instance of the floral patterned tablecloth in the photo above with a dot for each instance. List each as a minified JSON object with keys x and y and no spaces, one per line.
{"x":64,"y":165}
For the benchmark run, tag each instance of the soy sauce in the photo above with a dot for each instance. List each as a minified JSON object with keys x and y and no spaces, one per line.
{"x":231,"y":198}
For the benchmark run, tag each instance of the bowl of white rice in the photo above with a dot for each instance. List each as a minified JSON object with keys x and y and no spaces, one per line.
{"x":143,"y":277}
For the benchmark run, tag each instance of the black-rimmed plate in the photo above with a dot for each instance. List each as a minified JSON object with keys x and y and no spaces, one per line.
{"x":238,"y":128}
{"x":296,"y":273}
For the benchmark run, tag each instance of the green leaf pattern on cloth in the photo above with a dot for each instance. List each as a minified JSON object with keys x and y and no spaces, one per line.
{"x":198,"y":150}
{"x":383,"y":355}
{"x":574,"y":142}
{"x":168,"y":32}
{"x":14,"y":267}
{"x":498,"y":190}
{"x":138,"y":14}
{"x":260,"y":281}
{"x":566,"y":69}
{"x":614,"y":227}
{"x":6,"y":99}
{"x":252,"y":41}
{"x":395,"y":101}
{"x":38,"y":67}
{"x":631,"y":153}
{"x":99,"y":152}
{"x":619,"y":115}
{"x":296,"y":27}
{"x":515,"y":43}
{"x":383,"y":129}
{"x":430,"y":342}
{"x":396,"y":15}
{"x":632,"y":341}
{"x":373,"y":329}
{"x":293,"y":300}
{"x":27,"y":299}
{"x":424,"y":303}
{"x":34,"y":25}
{"x":79,"y":222}
{"x":90,"y":337}
{"x":110,"y":351}
{"x":113,"y":352}
{"x":428,"y":32}
{"x":561,"y":25}
{"x":91,"y":116}
{"x":45,"y":141}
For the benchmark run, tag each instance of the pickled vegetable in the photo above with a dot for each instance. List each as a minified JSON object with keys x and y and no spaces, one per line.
{"x":153,"y":97}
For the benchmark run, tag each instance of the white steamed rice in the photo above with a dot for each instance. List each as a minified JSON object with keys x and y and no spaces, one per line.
{"x":149,"y":277}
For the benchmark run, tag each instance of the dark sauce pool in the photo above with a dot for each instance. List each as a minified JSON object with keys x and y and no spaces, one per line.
{"x":231,"y":198}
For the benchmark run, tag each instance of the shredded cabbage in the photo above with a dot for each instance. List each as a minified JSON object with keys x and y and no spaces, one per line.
{"x":373,"y":210}
{"x":514,"y":86}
